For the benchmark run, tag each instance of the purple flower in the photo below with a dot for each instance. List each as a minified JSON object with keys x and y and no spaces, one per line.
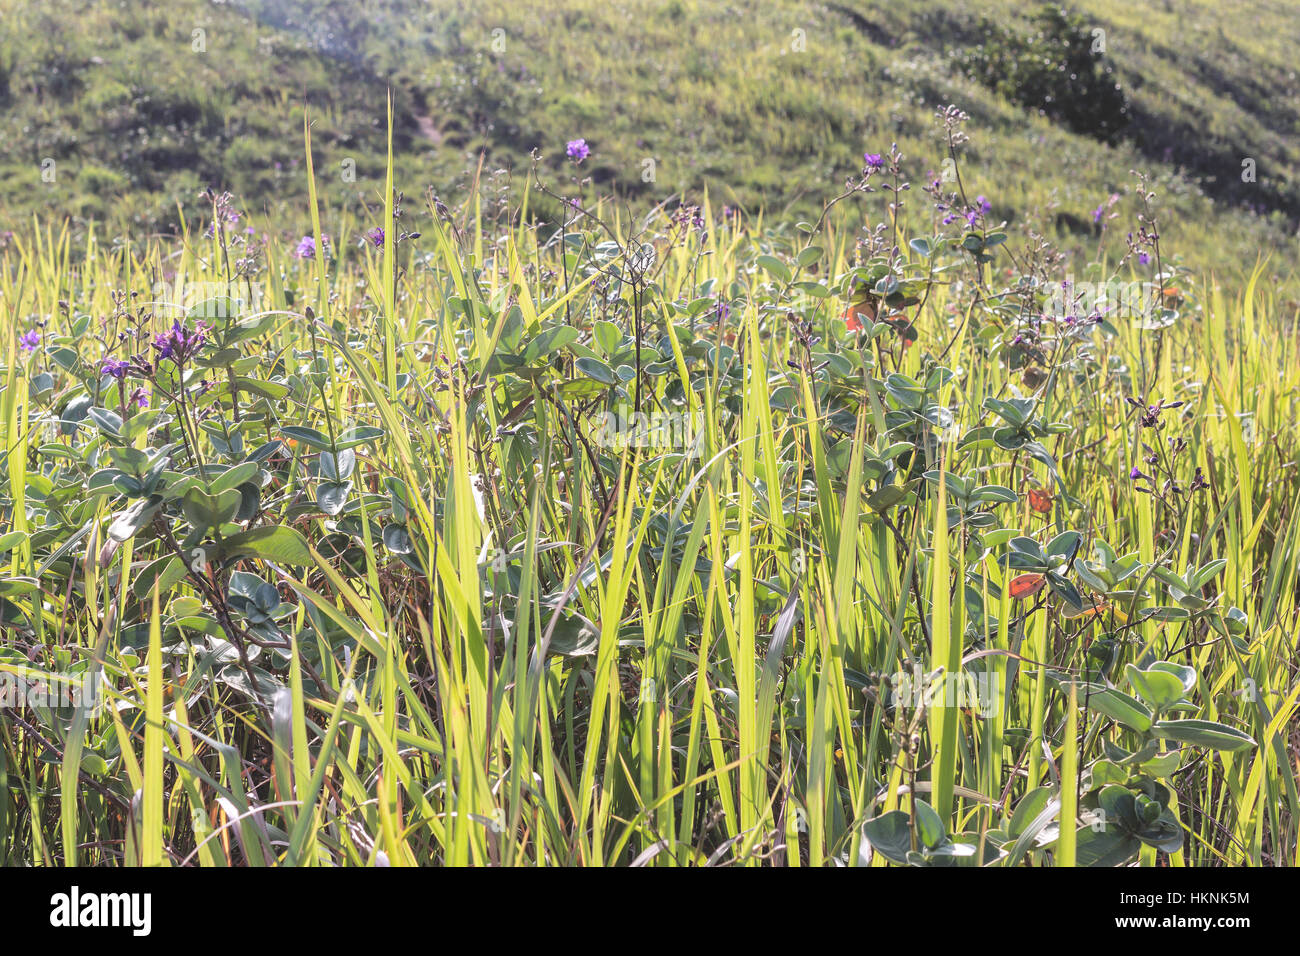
{"x":223,"y":213}
{"x":1144,"y":258}
{"x":140,"y":397}
{"x":306,"y":248}
{"x":30,"y":340}
{"x":577,"y":150}
{"x":376,"y":237}
{"x":115,"y":368}
{"x":984,"y":205}
{"x":178,"y":343}
{"x":1100,"y":211}
{"x":874,"y":161}
{"x":1136,"y":473}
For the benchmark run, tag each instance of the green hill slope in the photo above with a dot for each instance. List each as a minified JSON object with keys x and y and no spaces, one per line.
{"x":123,"y":114}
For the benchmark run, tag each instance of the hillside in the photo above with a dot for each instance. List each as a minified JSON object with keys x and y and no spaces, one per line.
{"x":121,"y":114}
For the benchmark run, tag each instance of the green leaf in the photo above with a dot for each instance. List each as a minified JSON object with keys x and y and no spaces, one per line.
{"x":929,"y":828}
{"x":217,"y":307}
{"x":129,"y":523}
{"x":607,"y":336}
{"x":1065,"y":590}
{"x":548,"y":341}
{"x":1158,"y":688}
{"x":1203,"y":733}
{"x":1164,"y":614}
{"x":397,"y":539}
{"x":993,"y":494}
{"x":272,"y":391}
{"x":11,"y":540}
{"x":360,"y":435}
{"x":163,"y":574}
{"x":1186,"y":675}
{"x":1208,"y":573}
{"x":331,"y":496}
{"x":73,"y":414}
{"x":1090,"y":577}
{"x":13,"y":587}
{"x":1030,"y":806}
{"x":1009,"y":438}
{"x":1108,"y":847}
{"x":307,"y":436}
{"x":1119,"y":706}
{"x":110,"y":423}
{"x":890,"y":835}
{"x":339,"y":466}
{"x":775,"y":267}
{"x":808,"y":256}
{"x":885,"y":498}
{"x":1063,"y":545}
{"x":594,"y":368}
{"x":282,"y":545}
{"x":1162,"y":765}
{"x":206,"y":511}
{"x":233,"y":476}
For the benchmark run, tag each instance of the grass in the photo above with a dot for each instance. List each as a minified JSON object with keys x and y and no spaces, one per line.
{"x":744,"y":108}
{"x":913,"y":568}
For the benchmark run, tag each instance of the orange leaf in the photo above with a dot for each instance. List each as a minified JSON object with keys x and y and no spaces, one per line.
{"x":1026,"y":585}
{"x":854,"y":313}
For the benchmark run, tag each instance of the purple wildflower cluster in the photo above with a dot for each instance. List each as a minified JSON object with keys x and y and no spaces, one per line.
{"x":1103,"y":212}
{"x":115,"y":368}
{"x":1150,"y":415}
{"x":307,"y":247}
{"x":121,"y":369}
{"x":224,"y":212}
{"x":577,"y":150}
{"x":973,"y":215}
{"x":1145,"y":243}
{"x":30,"y":340}
{"x":179,"y":343}
{"x":1161,"y":457}
{"x":687,"y":216}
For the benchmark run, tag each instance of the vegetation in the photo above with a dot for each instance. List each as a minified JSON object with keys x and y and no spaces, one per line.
{"x":1059,"y":71}
{"x":140,"y":107}
{"x":670,"y":539}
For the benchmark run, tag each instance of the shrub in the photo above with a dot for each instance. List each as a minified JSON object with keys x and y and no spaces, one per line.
{"x":1059,"y":70}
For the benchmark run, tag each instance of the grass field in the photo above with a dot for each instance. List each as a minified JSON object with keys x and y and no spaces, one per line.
{"x":783,"y":467}
{"x":672,"y":542}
